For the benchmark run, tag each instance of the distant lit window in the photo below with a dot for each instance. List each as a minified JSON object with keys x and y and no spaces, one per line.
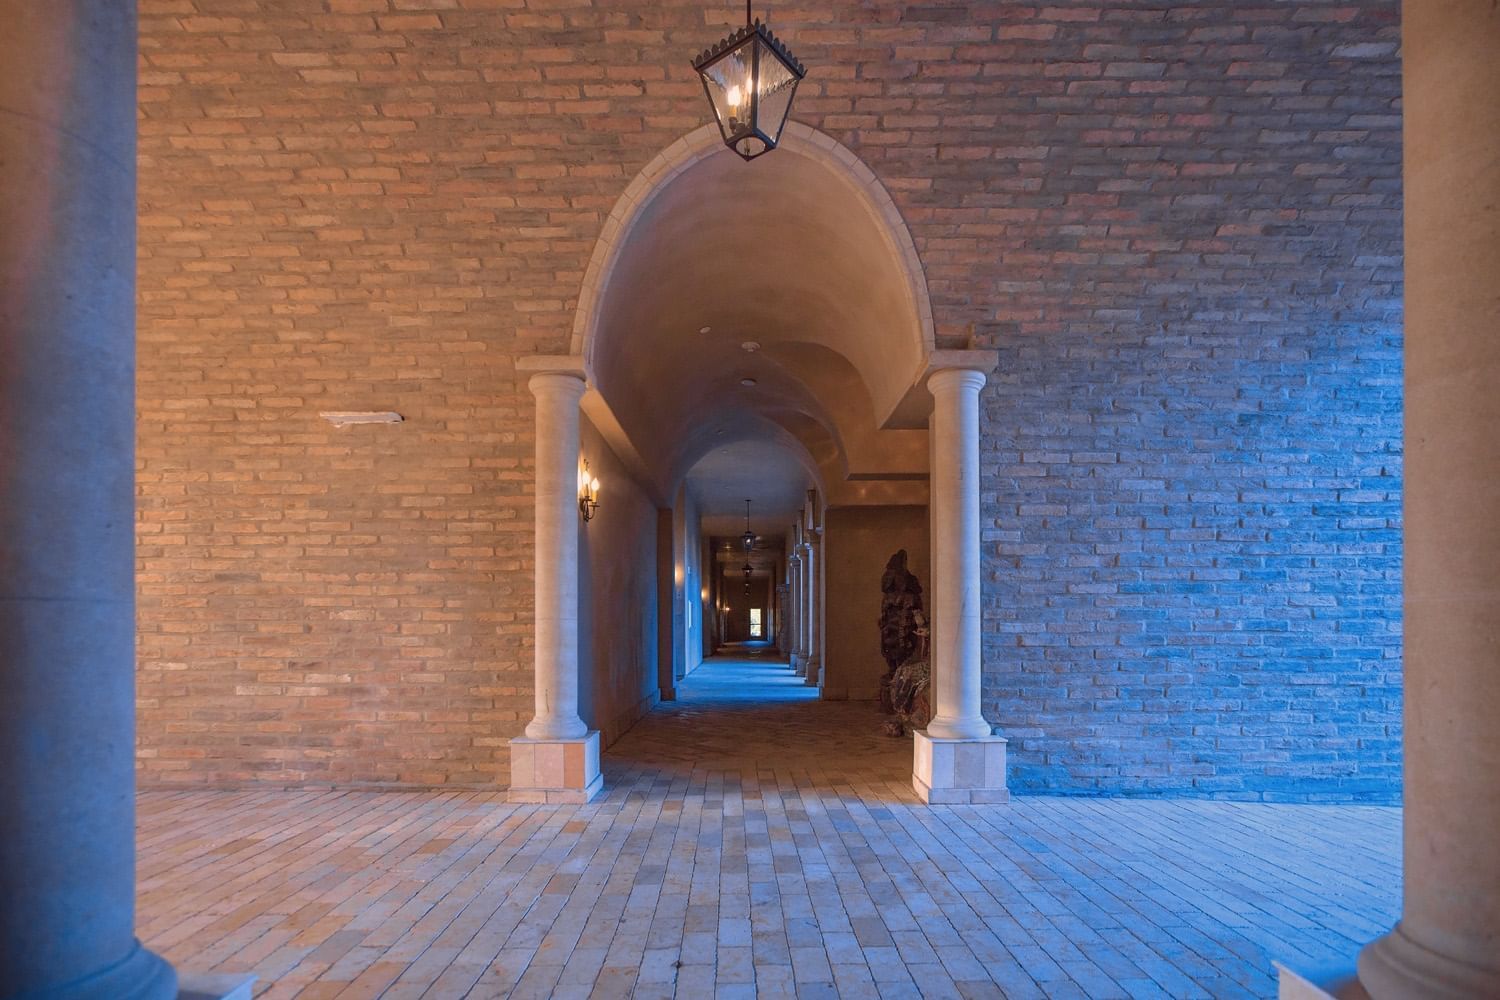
{"x":755,"y":625}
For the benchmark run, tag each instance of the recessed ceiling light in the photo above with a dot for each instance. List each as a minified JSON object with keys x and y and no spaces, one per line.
{"x":704,"y":329}
{"x":747,"y":382}
{"x":750,"y":345}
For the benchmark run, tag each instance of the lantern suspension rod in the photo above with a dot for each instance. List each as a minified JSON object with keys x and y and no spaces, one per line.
{"x":747,"y":13}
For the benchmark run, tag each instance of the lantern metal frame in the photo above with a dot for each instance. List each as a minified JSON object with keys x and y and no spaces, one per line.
{"x":757,"y":38}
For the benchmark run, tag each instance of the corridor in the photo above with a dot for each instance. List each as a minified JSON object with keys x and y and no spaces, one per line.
{"x":754,"y":841}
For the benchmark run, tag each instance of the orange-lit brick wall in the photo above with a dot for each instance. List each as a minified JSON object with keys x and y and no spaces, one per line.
{"x":381,"y":204}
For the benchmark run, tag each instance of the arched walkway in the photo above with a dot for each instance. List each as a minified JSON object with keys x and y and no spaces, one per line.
{"x":757,"y":332}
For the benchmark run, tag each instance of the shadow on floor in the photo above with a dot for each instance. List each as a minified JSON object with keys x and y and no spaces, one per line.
{"x":750,"y":721}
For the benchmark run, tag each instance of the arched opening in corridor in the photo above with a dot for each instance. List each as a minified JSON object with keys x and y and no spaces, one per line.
{"x":747,"y":607}
{"x":750,"y":331}
{"x":759,"y":332}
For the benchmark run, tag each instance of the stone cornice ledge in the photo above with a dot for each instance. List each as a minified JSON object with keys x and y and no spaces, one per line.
{"x":567,"y":364}
{"x":974,"y":360}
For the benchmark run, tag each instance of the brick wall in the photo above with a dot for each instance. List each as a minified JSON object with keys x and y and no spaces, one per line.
{"x":1192,"y":450}
{"x":1180,"y":225}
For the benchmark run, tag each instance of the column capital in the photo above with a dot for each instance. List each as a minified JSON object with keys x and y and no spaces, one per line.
{"x":557,"y":384}
{"x":956,"y":378}
{"x":554,"y":373}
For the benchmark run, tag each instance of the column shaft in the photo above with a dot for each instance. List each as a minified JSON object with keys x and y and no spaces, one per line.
{"x":67,"y":516}
{"x":955,"y":555}
{"x":804,"y":649}
{"x":798,"y":643}
{"x":1446,"y":942}
{"x":814,"y":563}
{"x":557,"y":396}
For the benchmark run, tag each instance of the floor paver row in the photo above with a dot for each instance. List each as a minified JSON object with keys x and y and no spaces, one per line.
{"x":754,"y":841}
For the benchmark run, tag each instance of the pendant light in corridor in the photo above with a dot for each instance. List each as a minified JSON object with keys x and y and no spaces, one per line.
{"x":748,"y":539}
{"x":750,"y":78}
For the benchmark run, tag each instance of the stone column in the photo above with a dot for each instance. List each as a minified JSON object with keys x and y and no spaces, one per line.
{"x":67,"y":506}
{"x":665,"y":586}
{"x":813,"y":676}
{"x":1447,"y":943}
{"x":783,"y":617}
{"x":804,"y":636}
{"x":955,"y":555}
{"x":558,"y":758}
{"x":957,"y":758}
{"x":799,"y":649}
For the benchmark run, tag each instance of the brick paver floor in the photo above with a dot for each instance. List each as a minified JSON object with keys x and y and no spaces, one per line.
{"x":754,"y":841}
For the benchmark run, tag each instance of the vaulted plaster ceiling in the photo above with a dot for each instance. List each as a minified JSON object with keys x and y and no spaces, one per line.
{"x":786,"y":254}
{"x":768,"y":473}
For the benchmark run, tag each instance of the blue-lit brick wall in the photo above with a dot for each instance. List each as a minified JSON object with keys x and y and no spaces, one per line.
{"x":1191,"y":450}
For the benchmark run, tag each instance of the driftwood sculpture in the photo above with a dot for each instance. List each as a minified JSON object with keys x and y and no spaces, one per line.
{"x":911,"y":686}
{"x":902,"y":643}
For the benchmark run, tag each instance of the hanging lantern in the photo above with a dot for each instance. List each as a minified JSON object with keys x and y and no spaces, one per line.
{"x":748,"y":539}
{"x":750,"y":79}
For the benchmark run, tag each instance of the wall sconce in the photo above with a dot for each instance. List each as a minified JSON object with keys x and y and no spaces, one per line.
{"x":588,"y":493}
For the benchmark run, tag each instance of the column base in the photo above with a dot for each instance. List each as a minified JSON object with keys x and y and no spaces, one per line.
{"x":1397,"y":966}
{"x":959,"y":772}
{"x":141,"y":975}
{"x":799,"y":666}
{"x":555,"y":772}
{"x":814,"y":673}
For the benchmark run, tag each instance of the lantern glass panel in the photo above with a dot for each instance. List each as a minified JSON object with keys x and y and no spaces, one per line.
{"x":775,"y":85}
{"x":730,"y":84}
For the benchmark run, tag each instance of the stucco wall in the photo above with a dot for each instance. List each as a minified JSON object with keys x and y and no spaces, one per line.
{"x":1179,"y":225}
{"x":737,"y":618}
{"x":857,"y":543}
{"x":617,"y":637}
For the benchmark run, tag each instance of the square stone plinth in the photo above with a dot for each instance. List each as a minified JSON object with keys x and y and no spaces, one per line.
{"x":959,"y":772}
{"x":555,"y":771}
{"x":214,"y":985}
{"x":1337,"y":982}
